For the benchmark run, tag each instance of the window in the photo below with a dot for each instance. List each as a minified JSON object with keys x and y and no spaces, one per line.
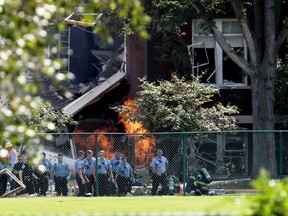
{"x":220,"y":69}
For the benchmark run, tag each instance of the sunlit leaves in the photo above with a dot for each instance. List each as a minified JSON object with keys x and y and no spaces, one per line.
{"x":26,"y":30}
{"x":272,"y":199}
{"x":179,"y":105}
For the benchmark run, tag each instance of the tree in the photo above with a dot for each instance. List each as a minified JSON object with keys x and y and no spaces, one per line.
{"x":265,"y":28}
{"x":178,"y":106}
{"x":25,"y":29}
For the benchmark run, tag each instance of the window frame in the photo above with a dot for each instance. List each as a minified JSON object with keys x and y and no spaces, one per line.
{"x":218,"y":57}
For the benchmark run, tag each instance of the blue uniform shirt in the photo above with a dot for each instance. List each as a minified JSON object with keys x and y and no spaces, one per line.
{"x":124,"y":170}
{"x":2,"y":166}
{"x":60,"y":169}
{"x":79,"y":165}
{"x":115,"y":162}
{"x":47,"y":164}
{"x":89,"y":164}
{"x":103,"y":166}
{"x":159,"y":164}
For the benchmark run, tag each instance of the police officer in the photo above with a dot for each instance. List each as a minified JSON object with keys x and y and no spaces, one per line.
{"x":61,"y":174}
{"x":115,"y":162}
{"x":89,"y":163}
{"x":3,"y":180}
{"x":42,"y":173}
{"x":26,"y":175}
{"x":124,"y":177}
{"x":105,"y":175}
{"x":159,"y":166}
{"x":16,"y":169}
{"x":81,"y":178}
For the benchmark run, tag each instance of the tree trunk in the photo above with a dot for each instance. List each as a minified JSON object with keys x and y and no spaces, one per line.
{"x":263,"y":118}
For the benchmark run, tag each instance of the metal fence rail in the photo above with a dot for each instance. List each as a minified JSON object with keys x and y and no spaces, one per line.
{"x":228,"y":157}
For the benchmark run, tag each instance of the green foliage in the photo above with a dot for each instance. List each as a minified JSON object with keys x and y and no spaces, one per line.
{"x":26,"y":28}
{"x":272,"y":199}
{"x":178,"y":105}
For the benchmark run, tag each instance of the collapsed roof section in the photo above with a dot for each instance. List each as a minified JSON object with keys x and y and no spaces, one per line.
{"x":98,"y":67}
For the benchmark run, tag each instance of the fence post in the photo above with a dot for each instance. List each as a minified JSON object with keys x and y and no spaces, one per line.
{"x":184,"y":161}
{"x":96,"y":164}
{"x":280,"y":154}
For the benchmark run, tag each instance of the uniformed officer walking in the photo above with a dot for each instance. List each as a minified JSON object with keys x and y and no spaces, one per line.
{"x":124,"y":177}
{"x":81,"y":178}
{"x":89,"y":163}
{"x":159,"y":166}
{"x":105,"y":175}
{"x":61,"y":173}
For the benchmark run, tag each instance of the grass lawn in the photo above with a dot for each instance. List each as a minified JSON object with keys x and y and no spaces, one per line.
{"x":120,"y":205}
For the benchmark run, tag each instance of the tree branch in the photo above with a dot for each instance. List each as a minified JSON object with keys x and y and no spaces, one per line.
{"x":282,"y":36}
{"x":240,"y":13}
{"x":219,"y":37}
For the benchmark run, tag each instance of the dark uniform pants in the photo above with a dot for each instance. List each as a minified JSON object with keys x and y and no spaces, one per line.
{"x":81,"y":186}
{"x":124,"y":185}
{"x":159,"y":180}
{"x":41,"y":185}
{"x":3,"y":183}
{"x":28,"y":182}
{"x":90,"y":186}
{"x":61,"y":187}
{"x":103,"y":184}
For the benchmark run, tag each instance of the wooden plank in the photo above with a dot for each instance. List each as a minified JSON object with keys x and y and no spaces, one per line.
{"x":16,"y":190}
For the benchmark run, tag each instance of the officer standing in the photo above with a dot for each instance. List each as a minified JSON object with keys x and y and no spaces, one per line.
{"x":81,"y":178}
{"x":3,"y":180}
{"x":89,"y":163}
{"x":16,"y":169}
{"x":105,"y":175}
{"x":61,"y":174}
{"x":159,"y":166}
{"x":42,"y":173}
{"x":115,"y":161}
{"x":124,"y":177}
{"x":26,"y":175}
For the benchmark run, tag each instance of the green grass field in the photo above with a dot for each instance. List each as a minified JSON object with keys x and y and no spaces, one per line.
{"x":121,"y":205}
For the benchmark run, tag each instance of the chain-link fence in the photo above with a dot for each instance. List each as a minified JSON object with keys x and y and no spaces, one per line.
{"x":121,"y":164}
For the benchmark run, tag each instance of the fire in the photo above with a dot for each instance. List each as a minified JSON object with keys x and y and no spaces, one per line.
{"x":142,"y":145}
{"x":106,"y":143}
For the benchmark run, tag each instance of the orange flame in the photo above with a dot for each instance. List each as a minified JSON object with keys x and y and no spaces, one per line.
{"x":143,"y":145}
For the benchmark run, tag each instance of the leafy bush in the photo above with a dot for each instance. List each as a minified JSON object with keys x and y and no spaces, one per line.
{"x":272,"y":199}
